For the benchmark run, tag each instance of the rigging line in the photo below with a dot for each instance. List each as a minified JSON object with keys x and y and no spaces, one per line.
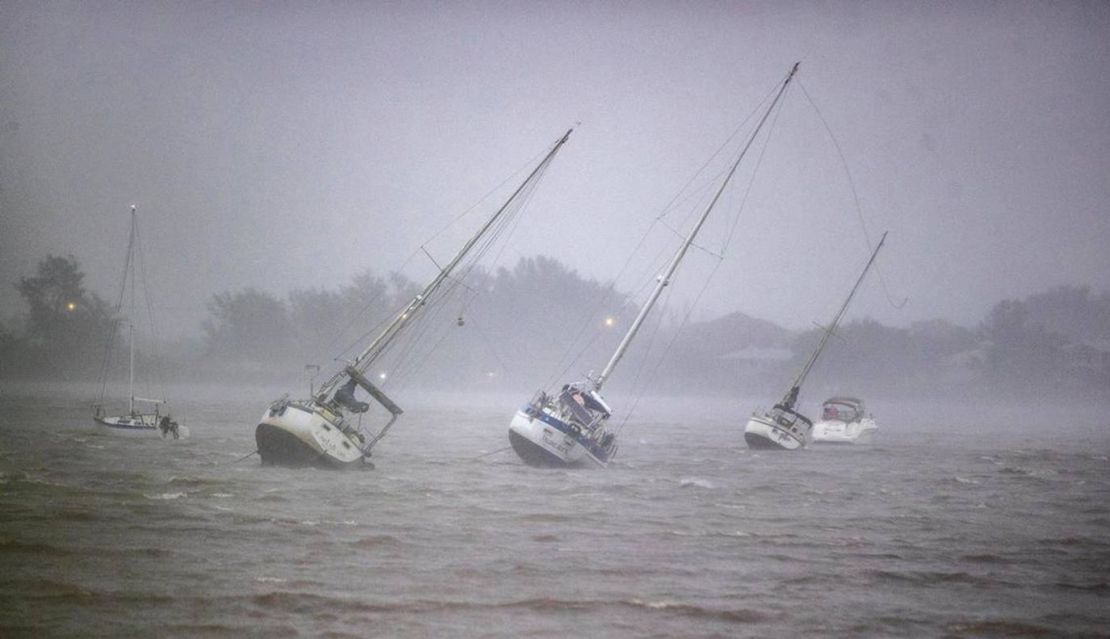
{"x":658,"y":324}
{"x":373,"y":351}
{"x":653,"y":267}
{"x":139,"y":275}
{"x":243,"y":457}
{"x":508,"y":223}
{"x":492,"y":452}
{"x":666,"y":209}
{"x":488,"y":242}
{"x":409,"y":365}
{"x":582,"y":352}
{"x":647,"y":352}
{"x":438,"y":267}
{"x":512,"y":208}
{"x":692,"y":244}
{"x":531,"y":162}
{"x":493,"y":349}
{"x":416,"y":364}
{"x":506,"y":227}
{"x":385,"y":319}
{"x":362,"y":311}
{"x":117,"y":320}
{"x":511,"y":220}
{"x":602,"y":299}
{"x":409,"y":359}
{"x":855,"y":197}
{"x":683,"y":236}
{"x":698,"y":199}
{"x":467,"y":269}
{"x":755,"y":171}
{"x":157,"y":357}
{"x":511,"y":225}
{"x":422,"y":326}
{"x":663,"y":355}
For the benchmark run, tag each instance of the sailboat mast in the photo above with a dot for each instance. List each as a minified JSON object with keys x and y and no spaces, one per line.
{"x":792,"y":394}
{"x":131,"y":320}
{"x":363,"y":361}
{"x":665,"y":278}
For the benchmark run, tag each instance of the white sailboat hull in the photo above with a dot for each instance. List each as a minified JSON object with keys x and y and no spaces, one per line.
{"x":541,"y":444}
{"x":142,"y":425}
{"x":299,"y":434}
{"x":763,"y":433}
{"x":542,"y":439}
{"x":132,"y":423}
{"x":835,"y":431}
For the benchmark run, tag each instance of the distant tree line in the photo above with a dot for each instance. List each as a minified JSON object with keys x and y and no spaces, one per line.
{"x":65,"y":328}
{"x":540,"y":323}
{"x":510,"y":323}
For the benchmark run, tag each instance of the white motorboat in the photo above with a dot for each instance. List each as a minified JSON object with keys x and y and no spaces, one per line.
{"x":783,"y":427}
{"x":137,"y":420}
{"x":844,"y":420}
{"x":324,"y":430}
{"x":568,"y":427}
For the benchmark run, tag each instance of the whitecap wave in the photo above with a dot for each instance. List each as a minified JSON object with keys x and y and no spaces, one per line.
{"x":697,"y":482}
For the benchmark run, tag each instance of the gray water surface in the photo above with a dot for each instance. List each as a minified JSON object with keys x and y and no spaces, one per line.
{"x":979,"y":522}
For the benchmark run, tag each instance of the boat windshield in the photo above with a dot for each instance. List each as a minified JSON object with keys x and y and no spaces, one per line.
{"x":788,"y":417}
{"x":845,"y":411}
{"x":582,"y":408}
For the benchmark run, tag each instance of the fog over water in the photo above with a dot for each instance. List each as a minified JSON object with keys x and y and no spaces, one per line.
{"x":286,"y":147}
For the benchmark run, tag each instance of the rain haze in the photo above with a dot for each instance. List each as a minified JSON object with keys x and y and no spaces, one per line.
{"x":292,"y":146}
{"x":577,"y":444}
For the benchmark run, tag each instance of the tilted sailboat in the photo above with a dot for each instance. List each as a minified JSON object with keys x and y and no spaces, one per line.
{"x":318,"y":431}
{"x":136,"y":420}
{"x":783,"y":427}
{"x":568,"y":427}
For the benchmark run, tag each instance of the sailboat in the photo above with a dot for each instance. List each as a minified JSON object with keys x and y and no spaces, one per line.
{"x":152,"y":419}
{"x":321,"y":431}
{"x":571,"y":426}
{"x":783,"y":427}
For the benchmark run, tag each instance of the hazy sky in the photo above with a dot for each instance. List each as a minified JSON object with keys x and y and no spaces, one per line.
{"x":293,"y":145}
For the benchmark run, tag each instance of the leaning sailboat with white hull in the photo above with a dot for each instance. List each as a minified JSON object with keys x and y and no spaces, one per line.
{"x":322,"y":430}
{"x":783,"y":427}
{"x":571,"y":426}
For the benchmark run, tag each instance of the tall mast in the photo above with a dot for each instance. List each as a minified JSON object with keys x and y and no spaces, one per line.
{"x":363,"y":361}
{"x":131,"y":320}
{"x":666,"y":277}
{"x":792,"y":394}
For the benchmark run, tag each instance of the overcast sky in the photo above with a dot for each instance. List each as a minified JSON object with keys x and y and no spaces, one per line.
{"x":294,"y":145}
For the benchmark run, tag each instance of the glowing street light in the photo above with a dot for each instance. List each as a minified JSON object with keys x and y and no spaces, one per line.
{"x":609,"y":321}
{"x":71,"y":306}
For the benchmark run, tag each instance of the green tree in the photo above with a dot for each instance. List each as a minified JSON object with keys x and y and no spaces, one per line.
{"x":66,"y":324}
{"x":249,"y":326}
{"x":1020,"y":351}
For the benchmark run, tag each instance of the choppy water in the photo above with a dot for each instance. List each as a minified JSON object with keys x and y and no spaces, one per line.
{"x":958,"y":525}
